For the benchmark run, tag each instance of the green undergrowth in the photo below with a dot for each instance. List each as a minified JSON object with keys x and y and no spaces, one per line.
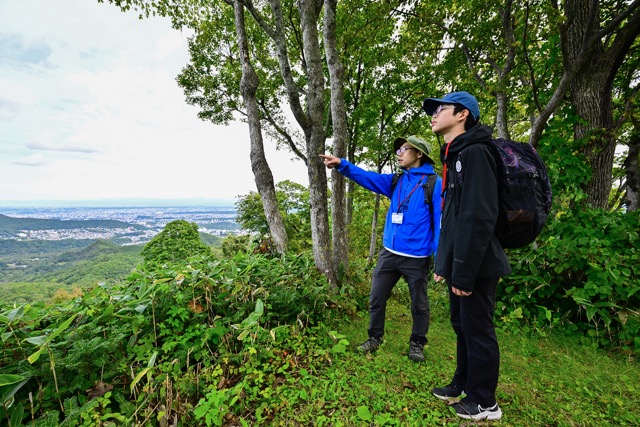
{"x":549,"y":380}
{"x":260,"y":341}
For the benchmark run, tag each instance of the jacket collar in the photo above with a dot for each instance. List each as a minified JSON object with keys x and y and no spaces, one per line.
{"x":478,"y":133}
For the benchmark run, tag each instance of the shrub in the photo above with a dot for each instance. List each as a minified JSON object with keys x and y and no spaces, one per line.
{"x":174,"y":244}
{"x":585,"y":271}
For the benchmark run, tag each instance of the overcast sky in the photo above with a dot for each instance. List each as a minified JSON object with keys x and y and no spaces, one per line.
{"x":90,"y":109}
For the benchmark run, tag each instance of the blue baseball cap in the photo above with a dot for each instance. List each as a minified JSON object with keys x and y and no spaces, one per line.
{"x":465,"y":99}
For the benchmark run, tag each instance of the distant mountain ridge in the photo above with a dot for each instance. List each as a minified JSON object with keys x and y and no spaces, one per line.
{"x":11,"y":226}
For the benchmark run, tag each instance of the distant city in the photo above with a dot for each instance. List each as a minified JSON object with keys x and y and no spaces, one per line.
{"x":145,"y":222}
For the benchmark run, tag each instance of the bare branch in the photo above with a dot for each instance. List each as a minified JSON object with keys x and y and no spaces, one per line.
{"x":280,"y":130}
{"x":472,"y":67}
{"x":611,"y":27}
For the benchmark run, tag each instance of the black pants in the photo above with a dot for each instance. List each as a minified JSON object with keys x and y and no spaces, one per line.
{"x":388,"y":271}
{"x":478,"y":354}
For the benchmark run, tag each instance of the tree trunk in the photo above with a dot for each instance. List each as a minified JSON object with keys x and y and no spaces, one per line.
{"x":373,"y":243}
{"x":590,"y":90}
{"x":590,"y":93}
{"x":632,"y":169}
{"x":315,"y":137}
{"x":502,"y":124}
{"x":259,"y":166}
{"x":311,"y":122}
{"x":502,"y":100}
{"x":339,"y":120}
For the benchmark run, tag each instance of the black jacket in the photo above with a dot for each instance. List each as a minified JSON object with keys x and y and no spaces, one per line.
{"x":468,"y":247}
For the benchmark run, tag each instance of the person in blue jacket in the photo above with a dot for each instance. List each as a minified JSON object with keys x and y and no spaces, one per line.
{"x":410,"y":240}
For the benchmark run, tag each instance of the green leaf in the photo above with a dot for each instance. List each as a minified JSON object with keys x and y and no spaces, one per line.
{"x":6,"y":379}
{"x":143,"y":289}
{"x":16,"y":314}
{"x":9,"y":390}
{"x":152,"y":359}
{"x":363,"y":413}
{"x":259,"y":307}
{"x":35,"y":356}
{"x":39,"y":340}
{"x":17,"y":415}
{"x":150,"y":364}
{"x":61,"y":328}
{"x":137,"y":378}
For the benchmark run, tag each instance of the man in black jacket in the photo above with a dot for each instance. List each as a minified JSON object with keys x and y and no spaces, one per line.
{"x":469,"y":256}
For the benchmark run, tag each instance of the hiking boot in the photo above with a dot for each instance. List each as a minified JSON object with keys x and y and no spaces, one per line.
{"x":415,"y":352}
{"x":447,"y":392}
{"x":470,"y":410}
{"x":370,"y":345}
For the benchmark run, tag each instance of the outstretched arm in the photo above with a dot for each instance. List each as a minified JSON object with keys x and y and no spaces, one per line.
{"x":378,"y":183}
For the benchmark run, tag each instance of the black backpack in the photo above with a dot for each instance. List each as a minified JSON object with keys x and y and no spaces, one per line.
{"x":524,"y":193}
{"x":427,"y":188}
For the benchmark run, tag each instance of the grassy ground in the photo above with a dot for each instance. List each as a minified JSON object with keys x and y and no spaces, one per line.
{"x":544,"y":381}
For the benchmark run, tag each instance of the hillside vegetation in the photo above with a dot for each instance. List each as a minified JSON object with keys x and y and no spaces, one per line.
{"x":83,"y":267}
{"x":259,"y":341}
{"x":236,"y":337}
{"x":34,"y":270}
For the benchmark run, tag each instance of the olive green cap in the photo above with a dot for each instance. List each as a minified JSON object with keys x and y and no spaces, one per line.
{"x":416,"y":142}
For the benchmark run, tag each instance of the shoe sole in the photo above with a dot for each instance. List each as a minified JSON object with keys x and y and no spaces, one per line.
{"x":494,"y":415}
{"x":445,"y":397}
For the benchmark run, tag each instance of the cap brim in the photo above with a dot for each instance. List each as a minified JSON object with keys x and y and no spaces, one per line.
{"x":401,"y":141}
{"x":398,"y":143}
{"x":430,"y":105}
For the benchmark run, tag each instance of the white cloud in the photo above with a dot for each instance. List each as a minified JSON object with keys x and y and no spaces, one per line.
{"x":90,"y":109}
{"x":32,"y":160}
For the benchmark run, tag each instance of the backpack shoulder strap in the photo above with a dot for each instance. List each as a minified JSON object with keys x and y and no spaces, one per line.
{"x":428,"y":197}
{"x":428,"y":187}
{"x":394,"y":181}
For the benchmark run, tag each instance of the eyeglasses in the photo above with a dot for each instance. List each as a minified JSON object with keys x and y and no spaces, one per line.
{"x":401,"y":150}
{"x":440,"y":108}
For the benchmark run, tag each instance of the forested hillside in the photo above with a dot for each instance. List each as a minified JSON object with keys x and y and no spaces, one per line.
{"x":33,"y":270}
{"x":83,"y":266}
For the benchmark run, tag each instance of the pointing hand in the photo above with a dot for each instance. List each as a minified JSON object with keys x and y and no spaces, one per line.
{"x":330,"y":161}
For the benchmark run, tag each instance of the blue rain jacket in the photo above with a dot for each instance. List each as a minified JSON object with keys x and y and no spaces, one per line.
{"x":413,"y":237}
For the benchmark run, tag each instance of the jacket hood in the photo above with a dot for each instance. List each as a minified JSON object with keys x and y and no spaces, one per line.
{"x":478,"y":133}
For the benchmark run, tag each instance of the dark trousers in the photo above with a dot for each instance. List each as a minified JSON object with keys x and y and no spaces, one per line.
{"x":478,"y":354}
{"x":388,"y":271}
